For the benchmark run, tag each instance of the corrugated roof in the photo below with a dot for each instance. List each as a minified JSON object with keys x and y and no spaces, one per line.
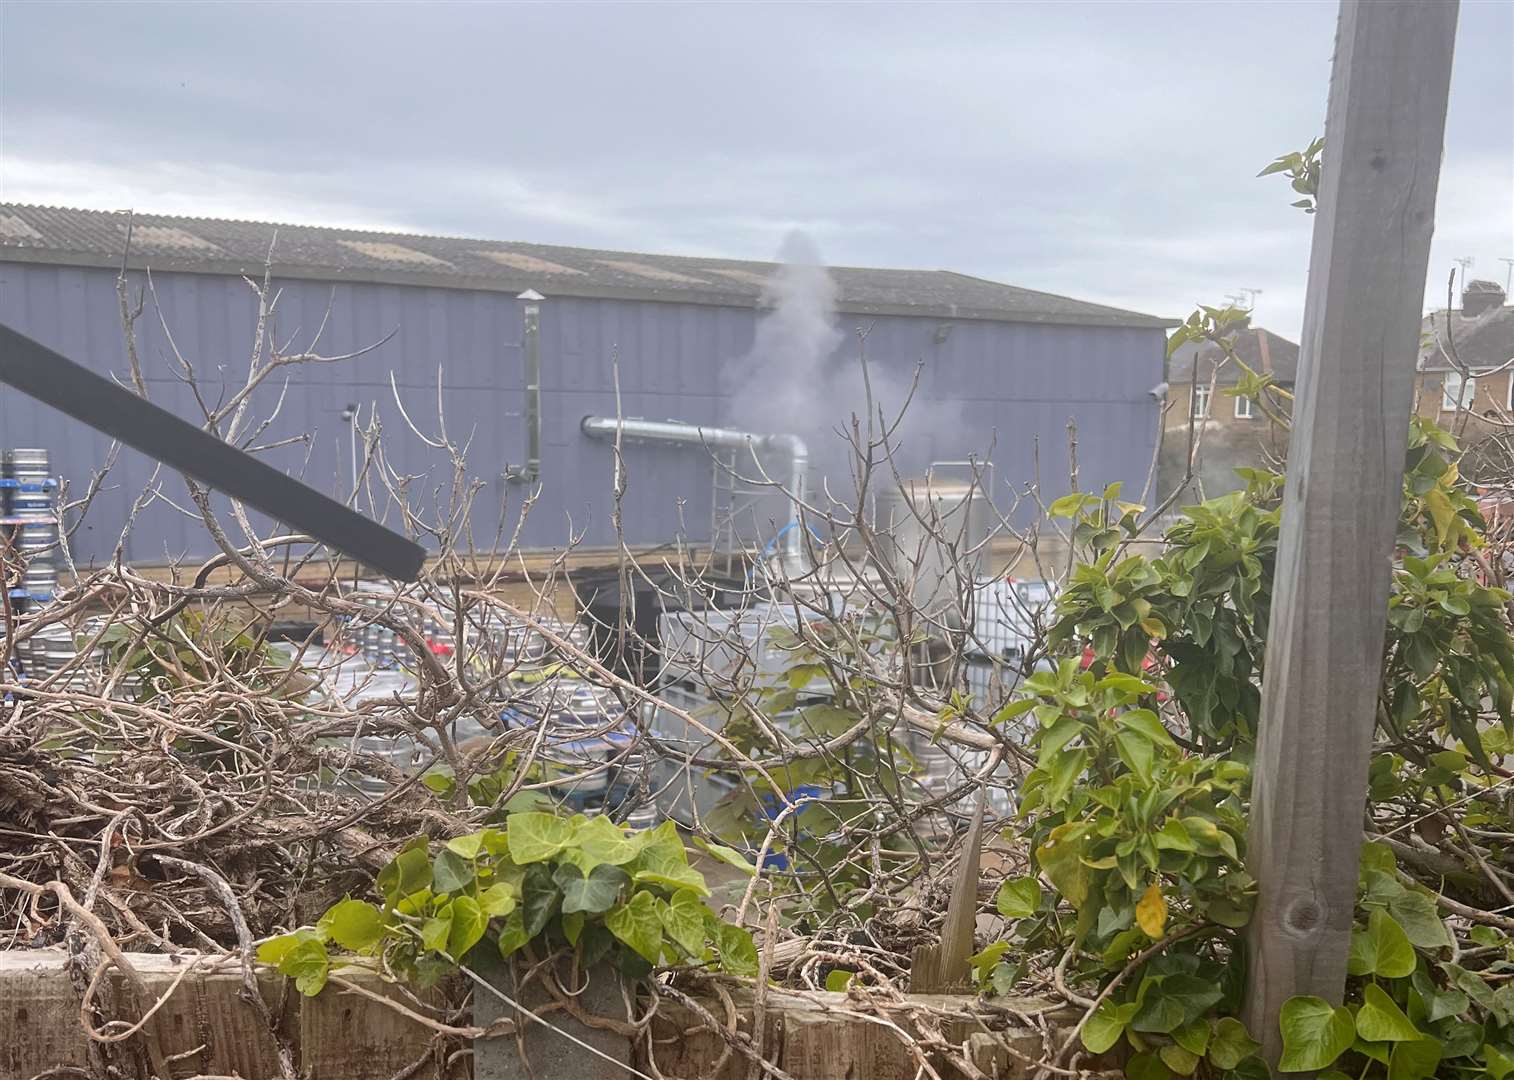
{"x":212,"y":245}
{"x":1261,"y":350}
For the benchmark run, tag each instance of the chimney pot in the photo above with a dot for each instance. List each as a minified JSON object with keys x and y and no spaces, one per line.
{"x":1480,"y":296}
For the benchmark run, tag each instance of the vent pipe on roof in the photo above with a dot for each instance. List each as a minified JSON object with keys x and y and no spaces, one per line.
{"x":791,"y":550}
{"x":530,"y":473}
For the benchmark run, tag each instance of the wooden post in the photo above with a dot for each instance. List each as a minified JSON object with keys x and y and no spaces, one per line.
{"x":1383,"y":134}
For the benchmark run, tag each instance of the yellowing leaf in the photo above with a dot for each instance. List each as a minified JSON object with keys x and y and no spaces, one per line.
{"x":1441,"y":511}
{"x":1151,"y":911}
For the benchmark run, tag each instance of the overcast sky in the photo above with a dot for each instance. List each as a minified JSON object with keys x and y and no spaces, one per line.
{"x":1106,"y":151}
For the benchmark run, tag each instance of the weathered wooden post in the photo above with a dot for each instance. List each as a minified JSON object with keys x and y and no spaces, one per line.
{"x":1383,"y":135}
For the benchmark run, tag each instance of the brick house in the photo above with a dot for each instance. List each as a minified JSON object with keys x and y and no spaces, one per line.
{"x":1230,"y":432}
{"x":1466,"y":362}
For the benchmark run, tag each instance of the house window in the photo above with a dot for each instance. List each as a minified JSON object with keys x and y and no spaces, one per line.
{"x":1243,"y":407}
{"x":1201,"y":402}
{"x":1457,"y":392}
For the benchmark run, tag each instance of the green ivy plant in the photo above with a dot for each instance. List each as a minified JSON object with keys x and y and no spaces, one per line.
{"x":544,"y":883}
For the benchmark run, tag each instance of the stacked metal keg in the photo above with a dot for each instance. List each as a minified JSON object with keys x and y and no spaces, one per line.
{"x":31,"y":518}
{"x":381,"y":646}
{"x":30,"y":498}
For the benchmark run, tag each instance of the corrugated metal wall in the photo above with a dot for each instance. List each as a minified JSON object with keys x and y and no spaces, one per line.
{"x":1010,"y":384}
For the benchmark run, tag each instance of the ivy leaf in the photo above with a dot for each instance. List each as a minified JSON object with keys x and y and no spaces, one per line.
{"x":308,"y":965}
{"x":512,"y":936}
{"x":539,"y":899}
{"x":1231,"y":1044}
{"x":603,"y":841}
{"x":451,"y":872}
{"x":1438,"y":1003}
{"x":1474,"y":987}
{"x":1498,"y":1065}
{"x":573,"y":926}
{"x":1414,"y":1059}
{"x":672,"y":871}
{"x":1315,"y":1033}
{"x":1108,"y":1022}
{"x":274,"y":950}
{"x":498,"y":899}
{"x":1381,"y":1020}
{"x":467,"y":846}
{"x":1151,"y":911}
{"x":1193,"y":1037}
{"x":838,"y":980}
{"x":738,"y":953}
{"x":1416,"y":914}
{"x":407,"y":874}
{"x":1381,"y":949}
{"x":468,"y":925}
{"x":1004,"y":978}
{"x":984,"y":961}
{"x":729,"y":856}
{"x":1485,"y":935}
{"x":594,"y":944}
{"x":1019,"y":898}
{"x":1179,"y":1059}
{"x":436,"y":930}
{"x":1147,"y":1067}
{"x":593,"y":894}
{"x":636,"y":924}
{"x":1459,"y":1038}
{"x":1174,"y":1000}
{"x":534,"y":837}
{"x":683,"y":919}
{"x":353,"y":924}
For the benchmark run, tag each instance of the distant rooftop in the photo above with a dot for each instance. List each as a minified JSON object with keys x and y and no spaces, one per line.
{"x":1480,"y":334}
{"x":61,"y":236}
{"x":1261,"y":350}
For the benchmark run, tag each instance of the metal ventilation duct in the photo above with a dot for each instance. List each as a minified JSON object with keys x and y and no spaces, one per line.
{"x":791,"y":547}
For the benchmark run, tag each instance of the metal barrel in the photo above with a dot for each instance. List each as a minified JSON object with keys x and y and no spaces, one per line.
{"x":36,"y":536}
{"x":39,"y":580}
{"x":53,"y":648}
{"x":31,"y":503}
{"x":30,"y":466}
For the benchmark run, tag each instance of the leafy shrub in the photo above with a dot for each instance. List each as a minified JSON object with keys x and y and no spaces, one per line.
{"x":544,"y":883}
{"x":1136,"y":809}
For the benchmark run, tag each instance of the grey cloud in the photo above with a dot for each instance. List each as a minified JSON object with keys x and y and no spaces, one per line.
{"x":1102,"y":150}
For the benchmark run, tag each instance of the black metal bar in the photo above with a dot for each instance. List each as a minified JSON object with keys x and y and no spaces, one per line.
{"x":55,"y":380}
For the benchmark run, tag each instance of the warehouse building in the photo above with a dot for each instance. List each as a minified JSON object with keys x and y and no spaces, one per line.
{"x":1003,"y":370}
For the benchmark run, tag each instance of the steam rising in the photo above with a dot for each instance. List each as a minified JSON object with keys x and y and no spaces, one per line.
{"x":783,"y":384}
{"x":803,"y":377}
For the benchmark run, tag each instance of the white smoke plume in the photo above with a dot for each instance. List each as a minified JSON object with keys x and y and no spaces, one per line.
{"x":780,"y":385}
{"x":803,"y":376}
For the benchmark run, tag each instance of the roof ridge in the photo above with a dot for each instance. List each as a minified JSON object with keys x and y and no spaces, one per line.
{"x":58,"y":234}
{"x":1035,"y":292}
